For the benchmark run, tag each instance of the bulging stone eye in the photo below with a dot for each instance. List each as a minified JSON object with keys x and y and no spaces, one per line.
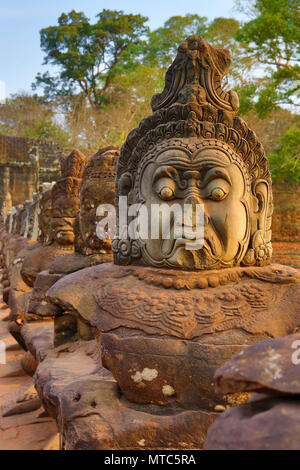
{"x":218,"y":194}
{"x":166,"y":193}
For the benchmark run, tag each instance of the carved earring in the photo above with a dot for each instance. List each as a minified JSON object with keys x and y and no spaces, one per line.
{"x":125,"y":250}
{"x":260,"y":253}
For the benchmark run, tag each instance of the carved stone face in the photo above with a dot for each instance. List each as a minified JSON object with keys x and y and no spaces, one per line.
{"x":91,"y":195}
{"x":63,"y":219}
{"x":19,"y":217}
{"x":44,"y":217}
{"x":212,"y":177}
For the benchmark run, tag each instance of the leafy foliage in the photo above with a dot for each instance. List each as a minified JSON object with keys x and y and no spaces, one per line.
{"x":46,"y":129}
{"x":108,"y":70}
{"x":273,"y":37}
{"x":161,"y":48}
{"x":22,"y":111}
{"x":27,"y":115}
{"x":86,"y":54}
{"x":285,"y":162}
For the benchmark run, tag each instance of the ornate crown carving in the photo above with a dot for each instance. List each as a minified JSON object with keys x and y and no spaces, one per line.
{"x":73,"y":164}
{"x":67,"y":188}
{"x":193,"y":104}
{"x":102,"y":165}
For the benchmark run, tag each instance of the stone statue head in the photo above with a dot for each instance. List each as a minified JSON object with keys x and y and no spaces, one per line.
{"x":19,"y":216}
{"x":97,"y":187}
{"x":45,"y":214}
{"x":33,"y":219}
{"x":12,"y":218}
{"x":26,"y":218}
{"x":6,"y":204}
{"x":65,"y":198}
{"x":194,"y":150}
{"x":7,"y":221}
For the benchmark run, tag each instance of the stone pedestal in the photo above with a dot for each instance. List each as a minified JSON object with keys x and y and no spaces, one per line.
{"x":163,"y":334}
{"x":91,"y":415}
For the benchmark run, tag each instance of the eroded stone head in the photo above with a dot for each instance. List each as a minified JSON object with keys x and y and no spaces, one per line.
{"x":7,"y":221}
{"x":45,"y":213}
{"x":32,"y":210}
{"x":194,"y":150}
{"x":97,"y":187}
{"x":65,"y":198}
{"x":18,"y":216}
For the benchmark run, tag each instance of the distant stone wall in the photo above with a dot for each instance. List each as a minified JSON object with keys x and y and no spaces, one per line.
{"x":24,"y":163}
{"x":286,"y":217}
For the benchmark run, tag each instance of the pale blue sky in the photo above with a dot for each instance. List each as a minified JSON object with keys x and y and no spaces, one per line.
{"x":21,"y":20}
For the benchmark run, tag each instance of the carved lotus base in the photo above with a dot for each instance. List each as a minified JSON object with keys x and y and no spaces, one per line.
{"x":39,"y":260}
{"x":38,"y":307}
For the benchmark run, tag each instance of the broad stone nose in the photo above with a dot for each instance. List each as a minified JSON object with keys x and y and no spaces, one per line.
{"x":193,"y":197}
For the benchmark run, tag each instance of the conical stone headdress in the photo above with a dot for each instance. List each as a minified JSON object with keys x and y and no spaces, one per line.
{"x":193,"y":104}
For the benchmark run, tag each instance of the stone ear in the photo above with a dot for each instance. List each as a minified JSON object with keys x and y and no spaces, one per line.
{"x":261,"y":192}
{"x":260,"y":248}
{"x":125,"y":184}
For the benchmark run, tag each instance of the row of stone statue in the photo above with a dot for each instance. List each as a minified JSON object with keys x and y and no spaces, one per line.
{"x":51,"y":226}
{"x":23,"y":218}
{"x":163,"y":317}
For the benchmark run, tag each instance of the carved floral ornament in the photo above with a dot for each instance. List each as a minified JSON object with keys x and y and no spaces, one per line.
{"x":192,"y":133}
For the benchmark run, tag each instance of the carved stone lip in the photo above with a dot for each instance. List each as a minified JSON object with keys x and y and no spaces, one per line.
{"x":188,"y":236}
{"x":188,"y":232}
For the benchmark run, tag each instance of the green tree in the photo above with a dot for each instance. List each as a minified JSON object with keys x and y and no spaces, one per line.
{"x":87,"y":54}
{"x":21,"y":111}
{"x":161,"y":47}
{"x":285,"y":162}
{"x":25,"y":115}
{"x":46,"y":129}
{"x":221,"y":33}
{"x":129,"y":102}
{"x":109,"y":70}
{"x":273,"y":37}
